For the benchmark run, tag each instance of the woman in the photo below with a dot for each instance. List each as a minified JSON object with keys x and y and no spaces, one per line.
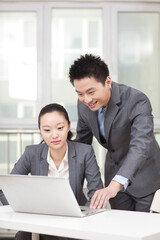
{"x":60,"y":157}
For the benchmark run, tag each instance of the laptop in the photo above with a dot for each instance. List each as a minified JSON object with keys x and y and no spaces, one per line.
{"x":42,"y":195}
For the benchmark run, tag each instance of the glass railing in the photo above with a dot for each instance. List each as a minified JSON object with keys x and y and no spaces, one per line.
{"x":13,"y":143}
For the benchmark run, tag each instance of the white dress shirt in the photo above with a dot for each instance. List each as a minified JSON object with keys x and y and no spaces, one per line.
{"x":62,"y":171}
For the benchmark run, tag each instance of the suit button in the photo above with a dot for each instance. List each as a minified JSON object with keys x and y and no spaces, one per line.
{"x":112,"y":150}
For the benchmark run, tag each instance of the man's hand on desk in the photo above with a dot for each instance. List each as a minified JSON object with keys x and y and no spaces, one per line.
{"x":101,"y":197}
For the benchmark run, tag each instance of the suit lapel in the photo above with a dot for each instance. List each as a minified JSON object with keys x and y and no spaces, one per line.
{"x":95,"y":127}
{"x":109,"y":117}
{"x":110,"y":114}
{"x":72,"y":165}
{"x":112,"y":109}
{"x":44,"y":163}
{"x":94,"y":123}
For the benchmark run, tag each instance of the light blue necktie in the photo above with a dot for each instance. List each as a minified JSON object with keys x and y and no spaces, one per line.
{"x":101,"y":113}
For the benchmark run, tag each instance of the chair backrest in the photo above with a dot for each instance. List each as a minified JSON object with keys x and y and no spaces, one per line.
{"x":155,"y":206}
{"x":35,"y":236}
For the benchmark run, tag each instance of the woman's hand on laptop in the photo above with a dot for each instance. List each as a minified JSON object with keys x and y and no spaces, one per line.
{"x":101,"y":197}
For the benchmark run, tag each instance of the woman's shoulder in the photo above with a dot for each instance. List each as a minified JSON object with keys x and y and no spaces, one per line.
{"x":81,"y":146}
{"x":36,"y":147}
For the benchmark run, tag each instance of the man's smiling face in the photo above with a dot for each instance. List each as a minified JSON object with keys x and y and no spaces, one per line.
{"x":93,"y":93}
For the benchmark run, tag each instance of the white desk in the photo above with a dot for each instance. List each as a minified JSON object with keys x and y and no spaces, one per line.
{"x":109,"y":225}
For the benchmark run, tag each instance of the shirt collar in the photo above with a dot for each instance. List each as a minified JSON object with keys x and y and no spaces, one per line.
{"x":102,"y":109}
{"x":64,"y":160}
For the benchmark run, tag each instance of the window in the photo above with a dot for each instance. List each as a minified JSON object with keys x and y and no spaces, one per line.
{"x":74,"y":33}
{"x":18,"y":60}
{"x":40,"y":40}
{"x":37,"y":48}
{"x":136,"y":48}
{"x":139,"y":61}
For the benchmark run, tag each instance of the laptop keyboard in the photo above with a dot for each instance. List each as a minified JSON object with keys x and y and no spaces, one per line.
{"x":88,"y":211}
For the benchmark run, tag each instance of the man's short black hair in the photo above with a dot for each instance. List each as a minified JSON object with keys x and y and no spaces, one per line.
{"x":89,"y":66}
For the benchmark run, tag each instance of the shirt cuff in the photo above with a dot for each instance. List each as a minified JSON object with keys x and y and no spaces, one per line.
{"x":122,"y":180}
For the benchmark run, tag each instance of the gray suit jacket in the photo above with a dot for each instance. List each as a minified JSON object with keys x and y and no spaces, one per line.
{"x":82,"y":164}
{"x":132,"y":149}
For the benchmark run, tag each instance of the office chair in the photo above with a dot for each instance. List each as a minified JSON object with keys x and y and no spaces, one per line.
{"x":35,"y":236}
{"x":155,"y":206}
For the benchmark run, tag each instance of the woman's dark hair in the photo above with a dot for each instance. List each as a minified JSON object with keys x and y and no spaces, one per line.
{"x":52,"y":108}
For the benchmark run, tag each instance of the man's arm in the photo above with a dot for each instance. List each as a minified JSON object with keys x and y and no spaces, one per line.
{"x":101,"y":197}
{"x":84,"y":133}
{"x":141,"y":136}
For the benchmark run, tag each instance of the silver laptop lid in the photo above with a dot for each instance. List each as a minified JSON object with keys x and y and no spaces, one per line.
{"x":40,"y":194}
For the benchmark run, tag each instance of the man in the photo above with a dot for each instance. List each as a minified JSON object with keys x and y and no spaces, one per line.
{"x":120,"y":118}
